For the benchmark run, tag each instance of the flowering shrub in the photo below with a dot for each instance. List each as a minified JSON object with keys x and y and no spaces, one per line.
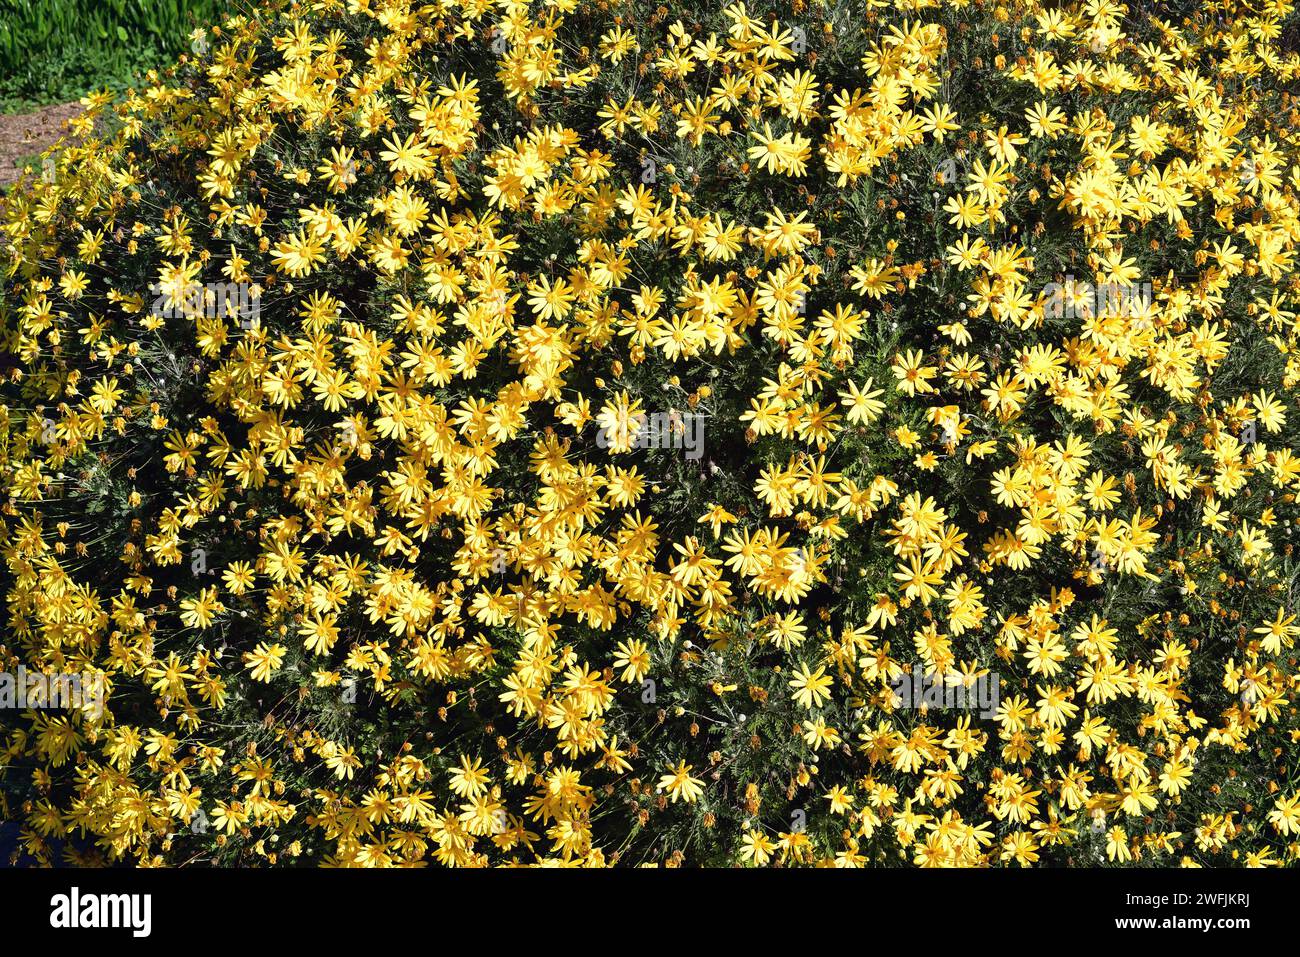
{"x":587,"y":433}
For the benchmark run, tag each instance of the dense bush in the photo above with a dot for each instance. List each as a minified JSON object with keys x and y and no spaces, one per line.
{"x":324,"y":362}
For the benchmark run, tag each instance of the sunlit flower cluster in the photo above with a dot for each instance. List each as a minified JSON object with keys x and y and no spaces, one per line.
{"x":325,"y":356}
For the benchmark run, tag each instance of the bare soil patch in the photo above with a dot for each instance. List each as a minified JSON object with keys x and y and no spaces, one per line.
{"x":23,"y":134}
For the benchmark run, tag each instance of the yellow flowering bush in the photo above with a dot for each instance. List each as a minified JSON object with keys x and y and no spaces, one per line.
{"x":573,"y":432}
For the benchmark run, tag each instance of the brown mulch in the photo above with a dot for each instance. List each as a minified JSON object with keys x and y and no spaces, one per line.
{"x":22,"y":135}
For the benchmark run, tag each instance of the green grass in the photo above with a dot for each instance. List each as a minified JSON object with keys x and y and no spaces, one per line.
{"x":29,"y":162}
{"x":53,"y":51}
